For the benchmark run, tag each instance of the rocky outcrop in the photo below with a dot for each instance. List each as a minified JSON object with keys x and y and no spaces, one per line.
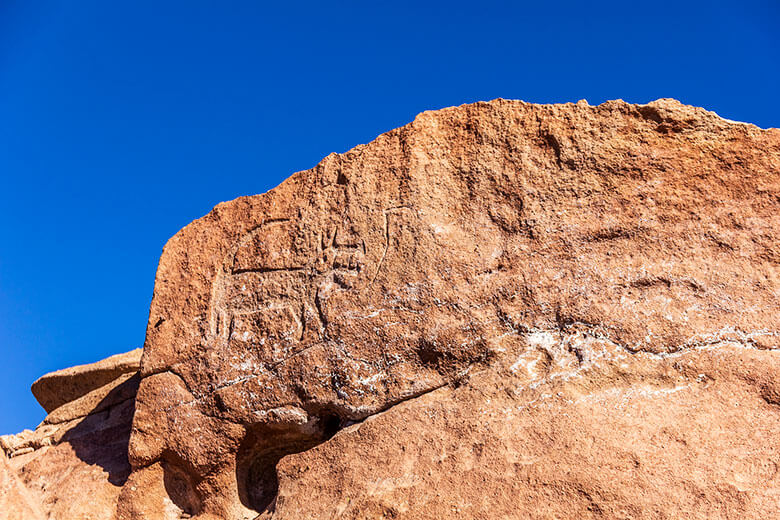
{"x":75,"y":462}
{"x":59,"y":388}
{"x":500,"y":310}
{"x":404,"y":267}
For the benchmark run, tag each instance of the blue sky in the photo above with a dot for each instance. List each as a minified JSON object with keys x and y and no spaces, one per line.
{"x":120,"y":122}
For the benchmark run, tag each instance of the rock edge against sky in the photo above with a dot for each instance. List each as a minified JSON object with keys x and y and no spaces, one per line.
{"x":500,"y":310}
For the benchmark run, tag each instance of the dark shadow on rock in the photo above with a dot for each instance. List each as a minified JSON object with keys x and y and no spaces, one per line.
{"x":102,"y":437}
{"x":181,"y":489}
{"x":261,"y":451}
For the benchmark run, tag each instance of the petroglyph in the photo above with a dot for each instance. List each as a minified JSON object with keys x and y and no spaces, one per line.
{"x":388,"y":213}
{"x":266,"y":296}
{"x":462,"y":250}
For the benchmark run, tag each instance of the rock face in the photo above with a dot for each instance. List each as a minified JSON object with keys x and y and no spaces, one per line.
{"x":65,"y":386}
{"x":500,"y":310}
{"x":75,"y":463}
{"x":15,"y":500}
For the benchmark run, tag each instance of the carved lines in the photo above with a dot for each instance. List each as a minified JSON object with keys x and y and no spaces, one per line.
{"x":280,"y":265}
{"x":387,"y":214}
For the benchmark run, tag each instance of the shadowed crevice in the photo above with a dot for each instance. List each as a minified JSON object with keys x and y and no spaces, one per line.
{"x":261,"y":451}
{"x":102,"y":437}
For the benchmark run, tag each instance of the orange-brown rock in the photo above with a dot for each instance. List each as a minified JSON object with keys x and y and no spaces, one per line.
{"x":74,"y":464}
{"x":500,"y":310}
{"x":623,"y":258}
{"x":625,"y":436}
{"x":15,"y":500}
{"x":64,"y":386}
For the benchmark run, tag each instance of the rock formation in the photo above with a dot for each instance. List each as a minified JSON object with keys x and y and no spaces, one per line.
{"x":73,"y":465}
{"x":500,"y":310}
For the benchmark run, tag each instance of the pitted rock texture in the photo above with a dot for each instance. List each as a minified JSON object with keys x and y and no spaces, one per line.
{"x":542,"y":310}
{"x":544,"y":434}
{"x":500,"y":310}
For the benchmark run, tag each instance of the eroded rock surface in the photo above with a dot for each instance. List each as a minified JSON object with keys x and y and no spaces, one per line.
{"x":73,"y":465}
{"x":500,"y":310}
{"x":64,"y":386}
{"x":15,"y":500}
{"x":542,"y":434}
{"x":397,"y":272}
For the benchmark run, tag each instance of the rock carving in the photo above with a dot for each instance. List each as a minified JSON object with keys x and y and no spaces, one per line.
{"x":500,"y":310}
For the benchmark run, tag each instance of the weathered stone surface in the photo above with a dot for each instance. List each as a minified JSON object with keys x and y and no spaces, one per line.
{"x":74,"y":464}
{"x":15,"y":500}
{"x":63,"y":386}
{"x":619,"y":435}
{"x":624,"y":257}
{"x":121,"y":389}
{"x":500,"y":310}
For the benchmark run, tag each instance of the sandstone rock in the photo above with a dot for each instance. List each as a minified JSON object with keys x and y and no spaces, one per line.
{"x":63,"y":386}
{"x":15,"y":501}
{"x":500,"y":310}
{"x":544,"y":310}
{"x":628,"y":436}
{"x":121,"y":389}
{"x":74,"y":464}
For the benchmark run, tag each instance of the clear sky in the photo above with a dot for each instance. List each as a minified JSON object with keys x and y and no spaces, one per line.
{"x":120,"y":122}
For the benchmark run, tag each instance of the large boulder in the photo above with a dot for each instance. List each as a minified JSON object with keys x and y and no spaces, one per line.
{"x":500,"y":310}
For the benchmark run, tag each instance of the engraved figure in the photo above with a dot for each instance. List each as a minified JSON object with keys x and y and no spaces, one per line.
{"x":268,"y":293}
